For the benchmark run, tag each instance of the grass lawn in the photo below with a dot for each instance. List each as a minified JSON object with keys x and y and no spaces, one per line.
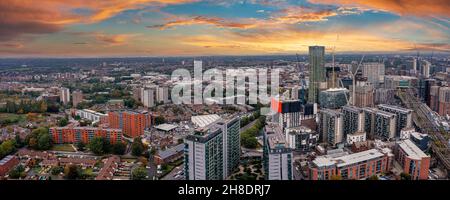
{"x":63,"y":147}
{"x":12,"y":117}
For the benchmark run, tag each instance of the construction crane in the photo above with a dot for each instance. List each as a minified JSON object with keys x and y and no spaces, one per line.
{"x":353,"y":74}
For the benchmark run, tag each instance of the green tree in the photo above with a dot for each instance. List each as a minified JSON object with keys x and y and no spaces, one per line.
{"x":373,"y":178}
{"x":139,"y":173}
{"x":18,"y":172}
{"x":63,"y":122}
{"x":44,"y":141}
{"x":160,"y":120}
{"x":119,"y":148}
{"x":137,"y":147}
{"x":72,"y":172}
{"x":56,"y":170}
{"x":249,"y":141}
{"x":96,"y":146}
{"x":80,"y":146}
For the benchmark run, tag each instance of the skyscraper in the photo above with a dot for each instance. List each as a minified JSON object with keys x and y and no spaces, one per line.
{"x":77,"y":97}
{"x":374,"y":72}
{"x":231,"y":144}
{"x":204,"y":155}
{"x":64,"y":95}
{"x":277,"y":156}
{"x":316,"y":71}
{"x":364,"y":94}
{"x":213,"y":152}
{"x":148,"y":97}
{"x":331,"y":128}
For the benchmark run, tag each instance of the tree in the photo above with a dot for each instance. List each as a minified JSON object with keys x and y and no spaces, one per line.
{"x":249,"y":141}
{"x":19,"y":142}
{"x":43,"y":107}
{"x":63,"y":122}
{"x":119,"y":148}
{"x":72,"y":172}
{"x":137,"y":147}
{"x":18,"y":172}
{"x":373,"y":178}
{"x":160,"y":120}
{"x":80,"y":146}
{"x":7,"y":147}
{"x":56,"y":170}
{"x":139,"y":173}
{"x":405,"y":176}
{"x":44,"y":141}
{"x":180,"y":141}
{"x":96,"y":145}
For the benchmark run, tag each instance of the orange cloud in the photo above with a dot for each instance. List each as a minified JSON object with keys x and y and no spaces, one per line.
{"x":294,"y":41}
{"x":219,"y":22}
{"x":429,"y":8}
{"x":49,"y":16}
{"x":292,"y":15}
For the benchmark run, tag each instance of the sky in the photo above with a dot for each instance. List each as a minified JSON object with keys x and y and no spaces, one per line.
{"x":105,"y":28}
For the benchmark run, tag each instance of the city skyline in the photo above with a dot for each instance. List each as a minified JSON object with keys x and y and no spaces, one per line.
{"x":217,"y":27}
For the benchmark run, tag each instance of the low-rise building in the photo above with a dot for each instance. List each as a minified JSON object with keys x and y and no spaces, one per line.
{"x":169,"y":155}
{"x":8,"y":163}
{"x":413,"y":160}
{"x":109,"y":168}
{"x":62,"y":135}
{"x":357,"y":166}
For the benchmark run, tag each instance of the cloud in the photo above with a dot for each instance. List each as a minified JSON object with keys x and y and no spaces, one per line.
{"x":294,"y":15}
{"x":13,"y":45}
{"x":215,"y":21}
{"x":296,"y":40}
{"x":49,"y":16}
{"x":429,"y":8}
{"x":113,"y":40}
{"x":291,"y":15}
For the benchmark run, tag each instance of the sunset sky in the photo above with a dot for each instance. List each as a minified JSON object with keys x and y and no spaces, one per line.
{"x":87,"y":28}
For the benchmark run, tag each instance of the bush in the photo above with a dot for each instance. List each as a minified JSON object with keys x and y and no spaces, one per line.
{"x":119,"y":148}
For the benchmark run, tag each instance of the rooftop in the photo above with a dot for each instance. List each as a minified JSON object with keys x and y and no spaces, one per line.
{"x":170,"y":152}
{"x":349,"y":159}
{"x":6,"y":159}
{"x":412,"y":150}
{"x":204,"y":120}
{"x":166,"y":127}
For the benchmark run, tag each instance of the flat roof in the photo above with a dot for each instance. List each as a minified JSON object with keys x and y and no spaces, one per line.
{"x":166,"y":127}
{"x":412,"y":150}
{"x":358,"y":157}
{"x":350,"y":159}
{"x":205,"y":120}
{"x":6,"y":159}
{"x":170,"y":152}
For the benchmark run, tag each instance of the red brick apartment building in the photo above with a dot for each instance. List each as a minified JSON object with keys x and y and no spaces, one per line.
{"x":354,"y":166}
{"x":132,"y":123}
{"x":62,"y":135}
{"x":8,"y":163}
{"x":413,"y":160}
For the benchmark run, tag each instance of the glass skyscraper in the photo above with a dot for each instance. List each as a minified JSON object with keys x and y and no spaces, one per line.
{"x":316,"y":71}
